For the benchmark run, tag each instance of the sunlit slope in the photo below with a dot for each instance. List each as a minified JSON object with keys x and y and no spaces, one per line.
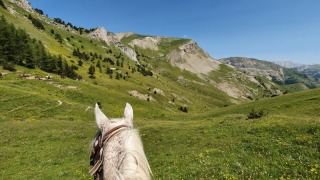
{"x":46,"y":127}
{"x":285,"y":143}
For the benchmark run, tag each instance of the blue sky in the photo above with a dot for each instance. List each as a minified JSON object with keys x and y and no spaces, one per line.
{"x":274,"y":30}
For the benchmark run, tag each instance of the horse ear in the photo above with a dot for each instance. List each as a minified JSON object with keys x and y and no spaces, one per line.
{"x":128,"y":114}
{"x":101,"y":119}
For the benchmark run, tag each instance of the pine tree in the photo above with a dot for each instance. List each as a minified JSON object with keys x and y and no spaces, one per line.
{"x":108,"y":70}
{"x":3,"y":36}
{"x":80,"y":62}
{"x":39,"y":53}
{"x":58,"y":37}
{"x":98,"y":65}
{"x":91,"y":72}
{"x":36,"y":22}
{"x":2,"y":4}
{"x":118,"y":62}
{"x":16,"y":47}
{"x":39,"y":11}
{"x":118,"y":75}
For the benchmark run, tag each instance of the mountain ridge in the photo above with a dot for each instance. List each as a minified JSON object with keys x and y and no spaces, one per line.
{"x":272,"y":71}
{"x":288,"y":64}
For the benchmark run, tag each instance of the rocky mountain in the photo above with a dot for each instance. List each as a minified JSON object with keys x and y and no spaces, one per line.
{"x":188,"y":56}
{"x":288,"y":64}
{"x":192,"y":58}
{"x":311,"y":70}
{"x":112,"y":39}
{"x":256,"y":67}
{"x":141,"y":66}
{"x":23,"y":4}
{"x":273,"y":72}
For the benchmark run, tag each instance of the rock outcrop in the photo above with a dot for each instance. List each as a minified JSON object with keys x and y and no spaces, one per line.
{"x":112,"y":39}
{"x":127,"y":51}
{"x":256,"y":67}
{"x":123,"y":35}
{"x":192,"y":58}
{"x":101,"y":33}
{"x":24,"y":4}
{"x":147,"y":43}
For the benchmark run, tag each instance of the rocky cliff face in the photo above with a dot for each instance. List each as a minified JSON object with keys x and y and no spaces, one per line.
{"x":127,"y":51}
{"x":101,"y":33}
{"x":256,"y":67}
{"x":24,"y":4}
{"x":112,"y":39}
{"x":188,"y":56}
{"x":123,"y":35}
{"x":192,"y":58}
{"x":147,"y":43}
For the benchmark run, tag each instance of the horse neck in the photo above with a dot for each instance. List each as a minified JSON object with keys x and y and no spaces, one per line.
{"x":124,"y":157}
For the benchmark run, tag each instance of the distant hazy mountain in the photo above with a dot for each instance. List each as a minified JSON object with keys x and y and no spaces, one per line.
{"x":312,"y":70}
{"x":278,"y":74}
{"x":288,"y":64}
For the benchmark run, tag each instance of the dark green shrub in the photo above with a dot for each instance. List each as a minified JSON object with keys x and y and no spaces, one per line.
{"x":2,"y":4}
{"x":183,"y":108}
{"x":7,"y":66}
{"x":256,"y":114}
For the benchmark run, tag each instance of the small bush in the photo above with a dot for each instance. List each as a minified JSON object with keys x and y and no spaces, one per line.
{"x":256,"y":114}
{"x":183,"y":108}
{"x":7,"y":66}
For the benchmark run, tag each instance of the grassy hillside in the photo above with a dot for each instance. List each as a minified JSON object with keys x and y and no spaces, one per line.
{"x":165,"y":76}
{"x":46,"y":128}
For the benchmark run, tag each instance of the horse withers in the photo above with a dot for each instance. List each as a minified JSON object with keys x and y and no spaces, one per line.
{"x":117,"y":150}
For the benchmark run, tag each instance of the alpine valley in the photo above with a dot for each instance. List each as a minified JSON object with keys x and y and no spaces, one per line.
{"x":198,"y":117}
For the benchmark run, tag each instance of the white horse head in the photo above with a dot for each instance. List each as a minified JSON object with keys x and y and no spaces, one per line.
{"x":122,"y":155}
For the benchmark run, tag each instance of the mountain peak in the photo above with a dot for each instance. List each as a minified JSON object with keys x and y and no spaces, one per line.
{"x":102,"y":33}
{"x":191,"y":57}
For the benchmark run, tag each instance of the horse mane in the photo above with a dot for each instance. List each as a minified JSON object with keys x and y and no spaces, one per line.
{"x":135,"y":164}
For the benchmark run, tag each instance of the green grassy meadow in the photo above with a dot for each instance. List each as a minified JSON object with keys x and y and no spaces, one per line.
{"x":46,"y":128}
